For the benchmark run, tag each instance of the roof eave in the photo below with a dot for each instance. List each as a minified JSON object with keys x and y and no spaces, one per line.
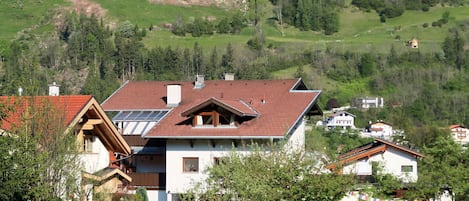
{"x":216,"y":137}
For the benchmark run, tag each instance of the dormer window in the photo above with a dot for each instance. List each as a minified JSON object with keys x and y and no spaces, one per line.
{"x":214,"y":119}
{"x":214,"y":113}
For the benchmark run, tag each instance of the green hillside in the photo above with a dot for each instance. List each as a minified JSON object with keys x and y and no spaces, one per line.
{"x":358,"y":30}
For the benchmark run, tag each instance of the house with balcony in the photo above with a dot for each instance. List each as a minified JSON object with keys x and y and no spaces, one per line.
{"x":368,"y":102}
{"x":178,"y":129}
{"x":341,"y":119}
{"x":100,"y":146}
{"x":379,"y":155}
{"x":460,"y":134}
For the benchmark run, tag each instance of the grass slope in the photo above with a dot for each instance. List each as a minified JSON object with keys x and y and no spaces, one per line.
{"x":359,"y":31}
{"x":20,"y":15}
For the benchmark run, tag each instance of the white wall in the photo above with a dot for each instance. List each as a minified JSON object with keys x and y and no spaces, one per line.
{"x":153,"y":195}
{"x":97,"y":159}
{"x":391,"y":161}
{"x":342,"y":121}
{"x":460,"y":135}
{"x":178,"y":181}
{"x":297,"y":139}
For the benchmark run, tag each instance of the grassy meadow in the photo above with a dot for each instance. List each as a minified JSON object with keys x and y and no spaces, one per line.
{"x":359,"y":31}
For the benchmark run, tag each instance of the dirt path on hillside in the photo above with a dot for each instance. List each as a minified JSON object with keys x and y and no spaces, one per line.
{"x":88,"y":8}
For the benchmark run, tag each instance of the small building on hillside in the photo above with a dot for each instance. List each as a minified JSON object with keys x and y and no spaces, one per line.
{"x":460,"y":134}
{"x":379,"y":129}
{"x":413,"y":43}
{"x":368,"y":102}
{"x":341,"y":119}
{"x":379,"y":155}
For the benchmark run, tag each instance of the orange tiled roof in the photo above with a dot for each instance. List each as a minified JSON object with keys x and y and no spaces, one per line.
{"x":282,"y":108}
{"x":455,"y":126}
{"x":70,"y":105}
{"x":372,"y":148}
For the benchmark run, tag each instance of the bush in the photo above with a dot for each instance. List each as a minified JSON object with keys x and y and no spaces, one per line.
{"x":425,"y":25}
{"x":436,"y":24}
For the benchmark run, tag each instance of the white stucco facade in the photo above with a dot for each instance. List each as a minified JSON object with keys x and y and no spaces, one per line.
{"x":460,"y":134}
{"x":379,"y":130}
{"x":97,"y":158}
{"x":206,"y":151}
{"x":341,"y":119}
{"x":400,"y":164}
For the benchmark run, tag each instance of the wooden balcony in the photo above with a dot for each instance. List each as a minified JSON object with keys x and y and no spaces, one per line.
{"x":151,"y":181}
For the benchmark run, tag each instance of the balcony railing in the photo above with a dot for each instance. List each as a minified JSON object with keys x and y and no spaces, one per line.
{"x":151,"y":181}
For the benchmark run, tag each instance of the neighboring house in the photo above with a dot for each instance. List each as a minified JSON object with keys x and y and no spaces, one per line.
{"x":414,"y":43}
{"x":178,"y":129}
{"x":368,"y":102}
{"x":383,"y":155}
{"x":341,"y":119}
{"x":460,"y":134}
{"x":379,"y":129}
{"x":100,"y":144}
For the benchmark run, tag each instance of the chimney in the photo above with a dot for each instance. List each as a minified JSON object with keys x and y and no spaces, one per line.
{"x":173,"y":95}
{"x":20,"y":91}
{"x":53,"y":89}
{"x":229,"y":76}
{"x":199,"y":82}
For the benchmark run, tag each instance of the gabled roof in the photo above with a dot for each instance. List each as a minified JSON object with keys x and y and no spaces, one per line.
{"x":456,"y":126}
{"x":278,"y":106}
{"x":74,"y":111}
{"x":381,"y":123}
{"x":239,"y":107}
{"x":338,"y":113}
{"x":368,"y":150}
{"x":106,"y":174}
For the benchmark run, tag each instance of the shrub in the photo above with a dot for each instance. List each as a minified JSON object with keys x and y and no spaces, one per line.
{"x":425,"y":25}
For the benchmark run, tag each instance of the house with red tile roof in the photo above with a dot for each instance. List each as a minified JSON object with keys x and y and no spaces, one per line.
{"x":379,"y":129}
{"x":460,"y":134}
{"x":379,"y":155}
{"x":178,"y":129}
{"x":100,"y":145}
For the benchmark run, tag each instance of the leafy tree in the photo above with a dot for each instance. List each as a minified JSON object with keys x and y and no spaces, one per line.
{"x":39,"y":159}
{"x":224,"y":26}
{"x":332,"y":103}
{"x":286,"y":175}
{"x":367,"y":65}
{"x":141,"y":194}
{"x":445,"y":163}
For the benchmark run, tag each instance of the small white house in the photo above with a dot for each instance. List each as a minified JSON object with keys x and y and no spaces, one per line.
{"x":341,"y":119}
{"x":460,"y":134}
{"x":383,"y":155}
{"x":379,"y":129}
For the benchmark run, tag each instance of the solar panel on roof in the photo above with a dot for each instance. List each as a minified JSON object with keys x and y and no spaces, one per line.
{"x":140,"y":115}
{"x":139,"y":122}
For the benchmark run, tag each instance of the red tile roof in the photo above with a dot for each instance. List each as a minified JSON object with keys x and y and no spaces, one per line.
{"x":456,"y":126}
{"x":372,"y":148}
{"x":70,"y":105}
{"x":282,"y":108}
{"x":368,"y":150}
